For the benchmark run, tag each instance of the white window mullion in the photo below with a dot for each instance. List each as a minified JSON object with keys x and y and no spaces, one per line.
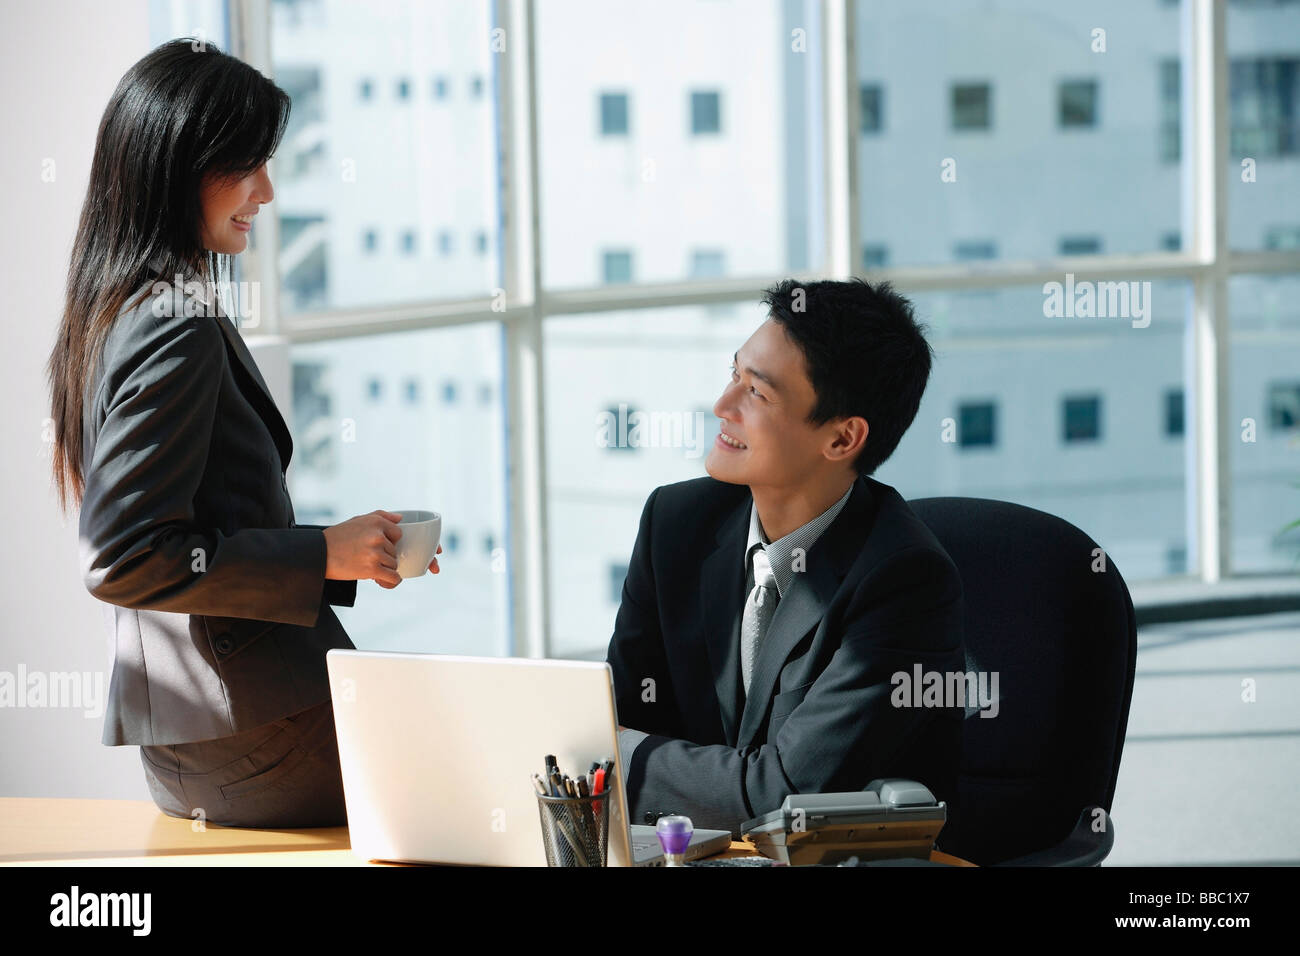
{"x":841,"y":153}
{"x":526,"y":480}
{"x":1206,"y":342}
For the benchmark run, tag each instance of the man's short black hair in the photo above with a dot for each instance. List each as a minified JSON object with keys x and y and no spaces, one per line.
{"x":866,"y":355}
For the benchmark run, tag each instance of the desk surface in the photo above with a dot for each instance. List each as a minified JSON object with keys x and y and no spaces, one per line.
{"x":58,"y":832}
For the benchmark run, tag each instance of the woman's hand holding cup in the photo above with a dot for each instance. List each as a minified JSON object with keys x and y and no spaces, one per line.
{"x":365,"y":548}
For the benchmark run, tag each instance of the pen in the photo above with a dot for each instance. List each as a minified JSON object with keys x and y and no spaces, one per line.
{"x":538,"y":785}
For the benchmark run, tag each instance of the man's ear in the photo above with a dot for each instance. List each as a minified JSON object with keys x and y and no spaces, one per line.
{"x":848,"y":439}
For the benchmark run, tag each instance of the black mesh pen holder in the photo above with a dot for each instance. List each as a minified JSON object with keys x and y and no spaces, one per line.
{"x":575,"y":830}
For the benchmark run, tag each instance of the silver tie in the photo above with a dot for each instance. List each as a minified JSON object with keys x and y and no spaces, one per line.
{"x":759,"y":608}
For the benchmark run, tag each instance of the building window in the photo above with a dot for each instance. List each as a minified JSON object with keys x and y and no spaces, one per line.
{"x":408,"y":242}
{"x":972,"y":106}
{"x":476,"y":87}
{"x":412,"y":391}
{"x":708,"y":263}
{"x":872,"y":110}
{"x":1081,"y":418}
{"x":977,"y":425}
{"x":620,"y":415}
{"x":706,"y":112}
{"x":449,"y":393}
{"x":1078,"y":104}
{"x":480,"y":243}
{"x":875,"y":256}
{"x":453,"y":541}
{"x":613,"y":114}
{"x":1284,"y":405}
{"x":617,"y":266}
{"x":370,"y":240}
{"x":617,"y":575}
{"x":1174,"y":413}
{"x":403,"y":89}
{"x":1282,"y":239}
{"x":375,"y":389}
{"x":1264,"y":106}
{"x":1172,"y":242}
{"x":489,"y":543}
{"x":365,"y":89}
{"x":485,"y":391}
{"x":1176,"y":559}
{"x":439,"y":87}
{"x":1171,"y":78}
{"x":444,"y":243}
{"x":1080,"y":246}
{"x":974,"y":249}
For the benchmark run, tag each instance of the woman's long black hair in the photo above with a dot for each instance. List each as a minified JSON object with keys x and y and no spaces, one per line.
{"x":184,"y":112}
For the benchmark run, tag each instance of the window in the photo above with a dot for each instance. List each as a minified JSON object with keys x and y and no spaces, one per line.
{"x":618,"y":266}
{"x":1172,"y":242}
{"x":412,"y":391}
{"x":977,"y":424}
{"x":449,"y":393}
{"x":485,"y":393}
{"x":1282,"y":238}
{"x":476,"y":87}
{"x":1080,"y":246}
{"x":875,"y":255}
{"x":375,"y":388}
{"x":452,"y":540}
{"x":480,"y":242}
{"x":1078,"y":103}
{"x":617,"y":575}
{"x":613,"y":114}
{"x":1284,"y":406}
{"x":1170,"y":134}
{"x":444,"y":242}
{"x":1174,"y":413}
{"x":708,"y":263}
{"x":971,"y":106}
{"x":1081,"y":419}
{"x":706,"y":112}
{"x":1265,"y":110}
{"x":972,"y":249}
{"x":872,"y":106}
{"x":408,"y":242}
{"x":370,"y":240}
{"x":385,"y":158}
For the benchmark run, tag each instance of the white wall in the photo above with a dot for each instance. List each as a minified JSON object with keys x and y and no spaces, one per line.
{"x":59,"y":62}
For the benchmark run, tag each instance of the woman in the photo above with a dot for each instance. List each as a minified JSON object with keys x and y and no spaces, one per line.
{"x":167,"y":437}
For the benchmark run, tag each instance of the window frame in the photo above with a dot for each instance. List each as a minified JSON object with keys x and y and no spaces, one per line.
{"x":523,"y":304}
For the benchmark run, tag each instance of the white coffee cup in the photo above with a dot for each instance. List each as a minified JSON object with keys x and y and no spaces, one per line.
{"x":418,"y":543}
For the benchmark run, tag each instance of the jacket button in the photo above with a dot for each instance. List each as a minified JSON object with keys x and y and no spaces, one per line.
{"x":651,"y":818}
{"x":224,"y":645}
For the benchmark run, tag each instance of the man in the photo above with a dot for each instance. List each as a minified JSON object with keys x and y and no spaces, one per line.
{"x":768,"y":607}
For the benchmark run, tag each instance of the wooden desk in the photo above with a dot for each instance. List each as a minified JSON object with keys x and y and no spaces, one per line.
{"x":57,"y":832}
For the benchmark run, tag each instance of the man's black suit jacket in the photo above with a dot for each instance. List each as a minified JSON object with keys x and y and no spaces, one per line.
{"x":878,"y":595}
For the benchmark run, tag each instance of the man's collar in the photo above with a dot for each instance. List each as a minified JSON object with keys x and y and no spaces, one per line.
{"x":780,"y":553}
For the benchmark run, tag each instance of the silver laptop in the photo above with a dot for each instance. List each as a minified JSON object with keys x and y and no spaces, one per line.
{"x":437,"y":755}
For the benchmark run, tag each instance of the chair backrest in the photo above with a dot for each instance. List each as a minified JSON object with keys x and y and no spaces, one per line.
{"x":1050,"y":615}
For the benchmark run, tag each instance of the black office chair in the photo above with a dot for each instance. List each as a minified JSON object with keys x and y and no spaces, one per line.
{"x":1037,"y":780}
